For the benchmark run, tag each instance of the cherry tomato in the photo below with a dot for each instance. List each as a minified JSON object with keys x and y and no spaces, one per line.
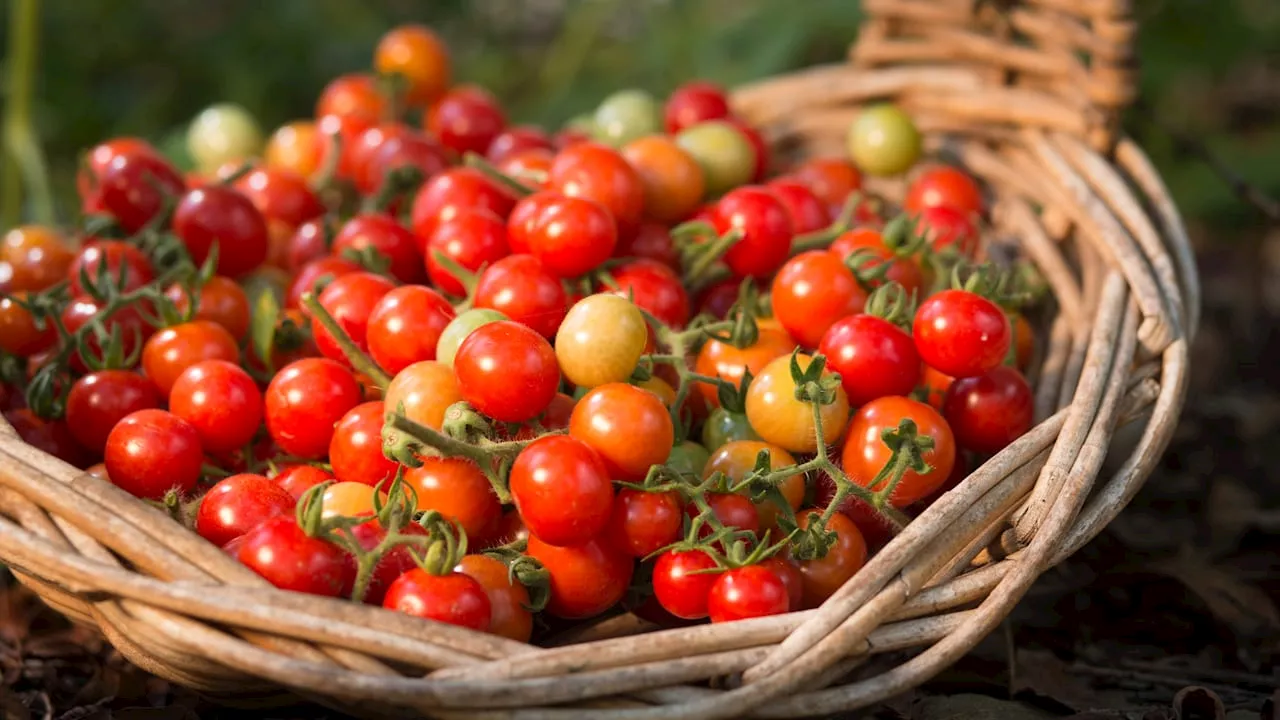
{"x":629,"y":427}
{"x":444,"y":196}
{"x":883,"y":140}
{"x":298,"y":479}
{"x":466,"y":119}
{"x":785,"y":421}
{"x":168,"y":353}
{"x":682,"y":582}
{"x":721,"y":359}
{"x":355,"y":95}
{"x":736,"y":459}
{"x":935,"y":385}
{"x":732,"y":510}
{"x":310,"y":241}
{"x":507,"y":371}
{"x":355,"y":452}
{"x":876,"y":529}
{"x":645,"y":522}
{"x":473,"y":238}
{"x":807,"y":211}
{"x":116,"y":258}
{"x":349,"y":499}
{"x":694,"y":102}
{"x":350,"y":299}
{"x":18,"y":332}
{"x":569,"y":235}
{"x":962,"y":334}
{"x":133,"y":188}
{"x":865,"y":452}
{"x":33,"y":258}
{"x":651,"y":242}
{"x":719,"y":298}
{"x":220,"y":300}
{"x":150,"y":452}
{"x":458,"y":490}
{"x":529,"y":166}
{"x":833,"y":180}
{"x":653,"y":287}
{"x":341,"y":134}
{"x":747,"y":592}
{"x":321,"y":272}
{"x":97,"y":160}
{"x":387,"y":238}
{"x":304,"y":401}
{"x":723,"y":151}
{"x":874,"y":358}
{"x":221,"y":401}
{"x":601,"y":340}
{"x":868,"y":243}
{"x":822,"y":577}
{"x":947,"y":228}
{"x":219,"y":216}
{"x":722,"y":427}
{"x":789,"y":573}
{"x":759,"y":148}
{"x":420,"y":57}
{"x":423,"y":392}
{"x":369,"y":141}
{"x":405,"y":326}
{"x":459,"y":328}
{"x":100,"y":400}
{"x":281,"y":194}
{"x":507,"y":597}
{"x":988,"y":412}
{"x":515,"y":140}
{"x":944,"y":186}
{"x":521,"y":288}
{"x":586,"y":579}
{"x":671,"y":178}
{"x":409,"y":149}
{"x":625,"y":116}
{"x":597,"y":172}
{"x":288,"y":558}
{"x":765,"y":226}
{"x":562,"y":489}
{"x":294,"y":146}
{"x":238,"y":504}
{"x":394,"y":563}
{"x":811,"y":292}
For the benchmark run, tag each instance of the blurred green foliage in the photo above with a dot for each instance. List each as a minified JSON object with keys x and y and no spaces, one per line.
{"x":145,"y":67}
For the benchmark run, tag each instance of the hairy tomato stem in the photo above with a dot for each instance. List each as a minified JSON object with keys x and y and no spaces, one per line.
{"x":360,"y":361}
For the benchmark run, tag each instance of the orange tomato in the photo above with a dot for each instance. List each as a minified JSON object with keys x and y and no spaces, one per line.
{"x":349,"y":499}
{"x":735,"y":459}
{"x":507,"y":598}
{"x":672,"y":179}
{"x":426,"y":389}
{"x":822,"y":577}
{"x":295,"y":146}
{"x":628,"y":426}
{"x":419,"y":56}
{"x":721,"y":359}
{"x":33,"y":258}
{"x":458,"y":490}
{"x":865,"y":452}
{"x":779,"y":418}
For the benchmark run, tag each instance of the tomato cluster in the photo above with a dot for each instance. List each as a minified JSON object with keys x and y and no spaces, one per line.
{"x":409,"y":353}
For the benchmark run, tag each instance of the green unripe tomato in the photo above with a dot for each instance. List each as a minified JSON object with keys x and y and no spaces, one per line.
{"x":725,"y":154}
{"x":883,"y":140}
{"x":459,"y":328}
{"x":688,"y":458}
{"x":223,"y":133}
{"x":722,"y":427}
{"x":625,"y":116}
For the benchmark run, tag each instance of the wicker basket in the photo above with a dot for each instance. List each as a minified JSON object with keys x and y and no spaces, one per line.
{"x":1026,"y":95}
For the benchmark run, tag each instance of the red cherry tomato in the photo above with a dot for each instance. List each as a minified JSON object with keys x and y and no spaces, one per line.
{"x":652,"y":242}
{"x":452,"y":598}
{"x":694,"y":102}
{"x":654,"y":287}
{"x":168,"y":353}
{"x":808,"y":212}
{"x":586,"y":580}
{"x":682,"y":584}
{"x":747,"y":592}
{"x":473,"y":238}
{"x":520,"y":287}
{"x":833,"y":180}
{"x":298,"y":479}
{"x":765,"y":226}
{"x":309,"y":242}
{"x":356,"y":95}
{"x":507,"y":371}
{"x":355,"y":452}
{"x":865,"y":452}
{"x":410,"y":149}
{"x":115,"y":258}
{"x":219,"y":300}
{"x":600,"y":173}
{"x":789,"y":573}
{"x":645,"y":522}
{"x":217,"y":215}
{"x":515,"y":140}
{"x":947,"y":228}
{"x":528,"y":166}
{"x":288,"y":558}
{"x":150,"y":452}
{"x":350,"y":299}
{"x":384,"y":236}
{"x":629,"y":427}
{"x":221,"y":401}
{"x":280,"y":194}
{"x":396,"y":562}
{"x":508,"y":599}
{"x":458,"y":490}
{"x":989,"y":411}
{"x":133,"y":186}
{"x":869,"y":244}
{"x":811,"y":292}
{"x":126,"y":321}
{"x":874,"y":357}
{"x":405,"y":326}
{"x":100,"y":400}
{"x":237,"y":505}
{"x":367,"y":143}
{"x":466,"y":119}
{"x":326,"y":269}
{"x":303,"y":403}
{"x":442,"y":197}
{"x":96,"y":162}
{"x":944,"y":186}
{"x":569,"y":235}
{"x":562,"y":490}
{"x":33,"y":258}
{"x":962,"y":334}
{"x":733,"y":511}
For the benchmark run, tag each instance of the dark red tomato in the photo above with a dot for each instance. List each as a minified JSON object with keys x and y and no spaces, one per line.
{"x":133,"y":187}
{"x":811,"y":292}
{"x":386,"y":237}
{"x":442,"y":197}
{"x":961,"y":333}
{"x":823,"y":576}
{"x":833,"y":180}
{"x":598,"y":172}
{"x":874,"y":357}
{"x":682,"y":582}
{"x":326,"y":269}
{"x":507,"y":371}
{"x":989,"y":411}
{"x":562,"y":490}
{"x":18,"y":332}
{"x":808,"y":212}
{"x":869,"y":244}
{"x":765,"y":226}
{"x":367,"y":143}
{"x":280,"y":194}
{"x":452,"y":598}
{"x":405,"y":326}
{"x":51,"y":437}
{"x":948,"y":228}
{"x":653,"y":242}
{"x":517,"y":139}
{"x":570,"y":235}
{"x":747,"y":592}
{"x":133,"y":330}
{"x":412,"y":149}
{"x":586,"y":580}
{"x":717,"y":299}
{"x":694,"y":102}
{"x":733,"y":511}
{"x":218,"y":215}
{"x":239,"y":504}
{"x":174,"y":349}
{"x":645,"y":522}
{"x":394,"y":563}
{"x":100,"y":400}
{"x":944,"y":186}
{"x":221,"y":401}
{"x":654,"y":287}
{"x":758,"y":144}
{"x":350,"y":299}
{"x":309,"y":242}
{"x":96,"y":162}
{"x":521,"y":288}
{"x":340,"y":133}
{"x":221,"y":300}
{"x":466,"y":119}
{"x":473,"y":238}
{"x":355,"y":452}
{"x":151,"y":452}
{"x":353,"y":94}
{"x":298,"y":479}
{"x":288,"y":558}
{"x":303,"y":403}
{"x":115,"y":258}
{"x":789,"y":574}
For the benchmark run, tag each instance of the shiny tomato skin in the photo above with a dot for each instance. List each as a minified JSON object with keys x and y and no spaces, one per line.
{"x":310,"y":274}
{"x":350,"y":300}
{"x":298,"y":479}
{"x":765,"y":226}
{"x":808,"y":212}
{"x":381,"y":234}
{"x":630,"y":428}
{"x":645,"y":522}
{"x":400,"y":152}
{"x":833,"y":180}
{"x":305,"y":400}
{"x":396,"y":562}
{"x":789,"y":573}
{"x":100,"y":400}
{"x":473,"y":238}
{"x":865,"y":452}
{"x":96,"y":161}
{"x":281,"y":194}
{"x":288,"y":558}
{"x":988,"y":412}
{"x":150,"y":452}
{"x":586,"y":579}
{"x":735,"y":459}
{"x":33,"y":258}
{"x":113,"y":257}
{"x":221,"y":401}
{"x":441,"y":198}
{"x":515,"y":140}
{"x":369,"y":141}
{"x":467,"y":119}
{"x":682,"y":583}
{"x":747,"y":592}
{"x":355,"y":452}
{"x":694,"y":102}
{"x":405,"y":325}
{"x":423,"y":392}
{"x":507,"y":371}
{"x":781,"y":419}
{"x":874,"y":358}
{"x":217,"y":215}
{"x":598,"y":172}
{"x":946,"y":228}
{"x":168,"y":353}
{"x":569,"y":235}
{"x":220,"y":300}
{"x":419,"y":57}
{"x":238,"y":504}
{"x":18,"y":332}
{"x":353,"y":94}
{"x":508,"y":599}
{"x":562,"y":489}
{"x":811,"y":292}
{"x":653,"y":287}
{"x":822,"y":577}
{"x":452,"y":598}
{"x":457,"y":489}
{"x":944,"y":186}
{"x":133,"y":188}
{"x":961,"y":333}
{"x":720,"y":359}
{"x":521,"y":288}
{"x":868,"y":243}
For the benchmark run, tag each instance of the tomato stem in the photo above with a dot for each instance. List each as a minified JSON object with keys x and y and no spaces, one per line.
{"x":702,"y":257}
{"x":822,"y":239}
{"x":399,"y":434}
{"x":472,"y":160}
{"x":361,"y":362}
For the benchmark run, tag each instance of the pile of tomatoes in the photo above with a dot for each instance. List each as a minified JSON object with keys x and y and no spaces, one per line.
{"x":411,"y":354}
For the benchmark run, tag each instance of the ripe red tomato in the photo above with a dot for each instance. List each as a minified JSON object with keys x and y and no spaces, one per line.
{"x":822,"y":577}
{"x":521,"y":288}
{"x":298,"y":479}
{"x":874,"y":358}
{"x":865,"y":452}
{"x":386,"y":237}
{"x":629,"y":427}
{"x":811,"y":292}
{"x":747,"y":592}
{"x":127,"y":321}
{"x":404,"y":150}
{"x":789,"y":573}
{"x":419,"y":57}
{"x":586,"y":579}
{"x":220,"y":300}
{"x":237,"y":505}
{"x":569,"y":235}
{"x":353,"y":95}
{"x":367,"y":143}
{"x":765,"y":226}
{"x":694,"y":102}
{"x":989,"y":411}
{"x":962,"y":334}
{"x":100,"y":400}
{"x":33,"y":258}
{"x":528,"y":166}
{"x":151,"y":451}
{"x":869,"y":243}
{"x":221,"y":401}
{"x":681,"y":583}
{"x":515,"y":140}
{"x":736,"y":458}
{"x":405,"y":326}
{"x":394,"y":563}
{"x":452,"y":598}
{"x":833,"y":180}
{"x":473,"y":238}
{"x":355,"y":452}
{"x":168,"y":353}
{"x":645,"y":522}
{"x":654,"y":287}
{"x":732,"y":510}
{"x":944,"y":186}
{"x":309,"y":242}
{"x":280,"y":194}
{"x":508,"y":599}
{"x":458,"y":490}
{"x":598,"y":172}
{"x":218,"y":215}
{"x":96,"y":162}
{"x":442,"y":197}
{"x":350,"y":299}
{"x":18,"y":332}
{"x":808,"y":212}
{"x":325,"y":269}
{"x":507,"y":371}
{"x":652,"y":242}
{"x":466,"y":119}
{"x":948,"y":228}
{"x":304,"y":401}
{"x":114,"y":257}
{"x":562,"y":489}
{"x":288,"y":558}
{"x":132,"y":188}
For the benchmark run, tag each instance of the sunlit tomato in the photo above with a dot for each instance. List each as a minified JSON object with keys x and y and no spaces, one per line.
{"x":382,"y":235}
{"x":349,"y":299}
{"x":220,"y":300}
{"x":655,"y":288}
{"x":874,"y":358}
{"x":150,"y":452}
{"x":455,"y":190}
{"x":340,"y":134}
{"x":765,"y":226}
{"x":280,"y":551}
{"x":472,"y":239}
{"x":869,"y":245}
{"x":586,"y":579}
{"x":19,"y":334}
{"x":989,"y":411}
{"x":217,"y":216}
{"x":508,"y":599}
{"x":221,"y":401}
{"x":562,"y":489}
{"x":354,"y":94}
{"x":100,"y":400}
{"x":420,"y":57}
{"x":349,"y":499}
{"x":719,"y":298}
{"x":33,"y":258}
{"x":947,"y":228}
{"x":747,"y":592}
{"x":944,"y":186}
{"x":672,"y":179}
{"x":833,"y":180}
{"x":530,"y":166}
{"x":629,"y":427}
{"x":507,"y":371}
{"x":598,"y":172}
{"x":458,"y":490}
{"x":96,"y":162}
{"x":961,"y":333}
{"x":601,"y":340}
{"x":865,"y":453}
{"x":423,"y":392}
{"x":281,"y":194}
{"x":822,"y":577}
{"x":318,"y":272}
{"x":134,"y":187}
{"x":298,"y":479}
{"x":405,"y":325}
{"x":569,"y":235}
{"x":522,"y":289}
{"x":694,"y":102}
{"x":811,"y":292}
{"x":238,"y":504}
{"x":808,"y":212}
{"x":682,"y":581}
{"x":652,"y":241}
{"x":294,"y":146}
{"x":109,"y":263}
{"x":304,"y":401}
{"x":355,"y":452}
{"x":736,"y":459}
{"x":785,"y":421}
{"x":466,"y":119}
{"x":169,"y":352}
{"x":721,"y":359}
{"x":515,"y":140}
